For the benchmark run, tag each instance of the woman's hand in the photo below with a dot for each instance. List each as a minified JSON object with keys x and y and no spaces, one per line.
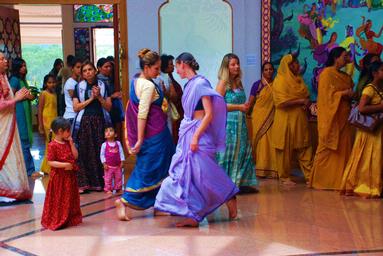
{"x":29,"y":95}
{"x":116,"y":95}
{"x":306,"y":103}
{"x":68,"y":167}
{"x":194,"y":144}
{"x":244,"y":107}
{"x":21,"y":94}
{"x":69,"y":139}
{"x":41,"y":129}
{"x":96,"y":91}
{"x":348,"y":93}
{"x":137,"y":147}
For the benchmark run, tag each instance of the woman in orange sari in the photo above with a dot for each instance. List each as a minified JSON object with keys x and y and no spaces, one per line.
{"x":334,"y":132}
{"x":262,"y":117}
{"x":290,"y":130}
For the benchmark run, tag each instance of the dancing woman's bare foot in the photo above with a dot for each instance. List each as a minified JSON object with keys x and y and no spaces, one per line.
{"x":232,"y":207}
{"x":288,"y":182}
{"x":121,"y":210}
{"x":160,"y":213}
{"x":189,"y":222}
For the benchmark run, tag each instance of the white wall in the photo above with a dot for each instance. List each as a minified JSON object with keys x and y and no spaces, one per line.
{"x":143,"y":32}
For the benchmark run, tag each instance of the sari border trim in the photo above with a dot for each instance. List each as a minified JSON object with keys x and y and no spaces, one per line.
{"x":125,"y":127}
{"x":197,"y":217}
{"x":126,"y":203}
{"x":18,"y":195}
{"x":265,"y":127}
{"x":146,"y":189}
{"x":9,"y":143}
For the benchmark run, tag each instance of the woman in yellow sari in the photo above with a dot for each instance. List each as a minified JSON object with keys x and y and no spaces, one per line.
{"x":290,"y":131}
{"x":363,"y":174}
{"x":262,"y":117}
{"x":334,"y":132}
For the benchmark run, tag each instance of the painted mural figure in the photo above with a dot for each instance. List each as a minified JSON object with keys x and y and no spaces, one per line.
{"x":308,"y":27}
{"x":321,"y":54}
{"x":374,"y":4}
{"x":314,"y":24}
{"x":350,"y":44}
{"x":367,"y":42}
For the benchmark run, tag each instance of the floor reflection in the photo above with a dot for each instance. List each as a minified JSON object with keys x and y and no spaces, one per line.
{"x":276,"y":221}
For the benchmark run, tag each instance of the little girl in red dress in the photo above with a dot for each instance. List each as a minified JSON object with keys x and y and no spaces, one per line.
{"x":62,"y":200}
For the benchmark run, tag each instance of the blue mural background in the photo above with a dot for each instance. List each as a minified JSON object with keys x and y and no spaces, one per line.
{"x":312,"y":28}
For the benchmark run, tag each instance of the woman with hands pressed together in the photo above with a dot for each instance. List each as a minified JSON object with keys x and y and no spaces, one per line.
{"x":92,"y":103}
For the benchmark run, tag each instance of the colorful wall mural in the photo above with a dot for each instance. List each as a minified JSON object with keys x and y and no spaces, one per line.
{"x":311,"y":29}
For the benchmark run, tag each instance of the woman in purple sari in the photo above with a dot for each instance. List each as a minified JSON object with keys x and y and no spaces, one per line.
{"x":196,"y":185}
{"x":147,"y":137}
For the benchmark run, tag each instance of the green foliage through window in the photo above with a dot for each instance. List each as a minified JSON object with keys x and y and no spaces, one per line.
{"x":39,"y":59}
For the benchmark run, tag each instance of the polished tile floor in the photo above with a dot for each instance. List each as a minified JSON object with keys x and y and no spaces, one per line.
{"x":277,"y":221}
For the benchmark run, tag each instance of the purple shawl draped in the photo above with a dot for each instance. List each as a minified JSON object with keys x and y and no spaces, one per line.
{"x":195,"y":89}
{"x":156,"y":120}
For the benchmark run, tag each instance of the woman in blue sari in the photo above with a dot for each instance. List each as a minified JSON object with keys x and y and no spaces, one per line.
{"x":197,"y":185}
{"x":147,"y":136}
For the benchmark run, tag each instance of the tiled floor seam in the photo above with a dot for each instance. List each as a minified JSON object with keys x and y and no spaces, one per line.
{"x":25,"y":253}
{"x":32,"y":220}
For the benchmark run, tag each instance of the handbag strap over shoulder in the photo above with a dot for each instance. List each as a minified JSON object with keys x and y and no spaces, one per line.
{"x":377,"y":91}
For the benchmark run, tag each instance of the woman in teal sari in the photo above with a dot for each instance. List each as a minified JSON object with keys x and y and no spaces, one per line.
{"x":237,"y":160}
{"x":23,"y":112}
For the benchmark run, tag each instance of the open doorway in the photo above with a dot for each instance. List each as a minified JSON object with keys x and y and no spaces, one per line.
{"x":119,"y":26}
{"x":103,"y":42}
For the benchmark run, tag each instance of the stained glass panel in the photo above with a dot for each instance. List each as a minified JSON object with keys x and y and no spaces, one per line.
{"x":93,"y":13}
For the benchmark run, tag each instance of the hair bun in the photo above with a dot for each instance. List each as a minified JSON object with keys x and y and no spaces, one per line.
{"x":141,"y":53}
{"x":194,"y":65}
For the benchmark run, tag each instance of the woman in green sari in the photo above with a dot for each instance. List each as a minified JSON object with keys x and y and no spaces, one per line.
{"x":237,"y":160}
{"x":23,"y":112}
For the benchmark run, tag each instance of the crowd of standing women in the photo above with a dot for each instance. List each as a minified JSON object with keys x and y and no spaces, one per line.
{"x":348,"y":157}
{"x":197,"y":147}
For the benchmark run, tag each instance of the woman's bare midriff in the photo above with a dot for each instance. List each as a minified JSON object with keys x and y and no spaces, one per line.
{"x":199,"y":114}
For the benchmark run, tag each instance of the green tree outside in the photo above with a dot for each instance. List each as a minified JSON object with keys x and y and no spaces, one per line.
{"x":40,"y":59}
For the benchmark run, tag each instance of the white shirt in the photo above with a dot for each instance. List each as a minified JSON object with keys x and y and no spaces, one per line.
{"x":70,"y":84}
{"x":164,"y":79}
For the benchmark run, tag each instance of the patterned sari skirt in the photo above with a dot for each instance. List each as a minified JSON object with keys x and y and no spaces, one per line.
{"x":90,"y":138}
